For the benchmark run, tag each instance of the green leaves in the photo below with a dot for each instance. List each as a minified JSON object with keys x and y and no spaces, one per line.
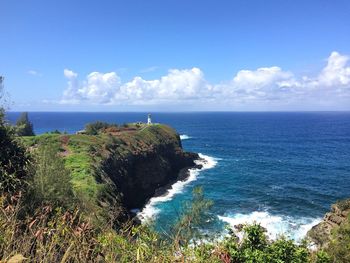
{"x":194,"y":215}
{"x":255,"y":247}
{"x":52,"y":181}
{"x":14,"y":160}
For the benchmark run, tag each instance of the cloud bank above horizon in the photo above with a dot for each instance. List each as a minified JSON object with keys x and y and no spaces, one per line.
{"x":264,"y":88}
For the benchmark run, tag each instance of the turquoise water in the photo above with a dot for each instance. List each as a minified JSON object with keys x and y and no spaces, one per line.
{"x":283,"y":170}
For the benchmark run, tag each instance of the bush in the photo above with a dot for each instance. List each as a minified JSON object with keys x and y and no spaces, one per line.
{"x":255,"y":237}
{"x":95,"y":127}
{"x":51,"y":183}
{"x":339,"y":247}
{"x":14,"y":160}
{"x":255,"y":247}
{"x":322,"y":257}
{"x":23,"y":126}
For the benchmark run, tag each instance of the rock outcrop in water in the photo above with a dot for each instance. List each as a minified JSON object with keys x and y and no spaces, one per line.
{"x":321,"y":233}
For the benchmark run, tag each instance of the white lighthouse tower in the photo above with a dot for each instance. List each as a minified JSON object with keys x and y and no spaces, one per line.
{"x":149,"y":119}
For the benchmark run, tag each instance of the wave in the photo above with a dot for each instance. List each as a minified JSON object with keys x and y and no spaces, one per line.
{"x":294,"y":228}
{"x":185,"y":137}
{"x":150,"y":209}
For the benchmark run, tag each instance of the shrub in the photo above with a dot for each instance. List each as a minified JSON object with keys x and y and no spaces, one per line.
{"x":255,"y":237}
{"x":322,"y":257}
{"x":95,"y":127}
{"x":339,"y":247}
{"x":14,"y":160}
{"x":51,"y":183}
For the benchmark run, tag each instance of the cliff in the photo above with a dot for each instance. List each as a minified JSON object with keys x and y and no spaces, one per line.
{"x":120,"y":169}
{"x":146,"y":162}
{"x":321,"y":234}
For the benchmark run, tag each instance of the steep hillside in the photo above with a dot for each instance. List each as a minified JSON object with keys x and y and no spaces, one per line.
{"x":120,"y":169}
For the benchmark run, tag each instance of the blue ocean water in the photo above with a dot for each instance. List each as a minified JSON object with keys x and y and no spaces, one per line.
{"x":283,"y":170}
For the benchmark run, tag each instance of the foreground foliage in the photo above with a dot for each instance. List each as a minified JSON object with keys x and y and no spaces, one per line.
{"x":14,"y":160}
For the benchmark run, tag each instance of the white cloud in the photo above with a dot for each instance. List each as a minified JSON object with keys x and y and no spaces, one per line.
{"x":259,"y":78}
{"x":107,"y":88}
{"x":69,"y":74}
{"x":97,"y":88}
{"x":262,"y":83}
{"x":34,"y":72}
{"x":336,"y":73}
{"x":263,"y":86}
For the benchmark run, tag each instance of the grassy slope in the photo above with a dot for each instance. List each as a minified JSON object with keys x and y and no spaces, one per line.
{"x":83,"y":152}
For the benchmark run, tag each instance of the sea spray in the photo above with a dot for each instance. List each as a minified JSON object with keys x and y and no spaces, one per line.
{"x":276,"y":225}
{"x":150,"y":209}
{"x":185,"y":137}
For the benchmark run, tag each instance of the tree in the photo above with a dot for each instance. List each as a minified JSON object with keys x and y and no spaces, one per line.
{"x":194,"y":215}
{"x":24,"y":126}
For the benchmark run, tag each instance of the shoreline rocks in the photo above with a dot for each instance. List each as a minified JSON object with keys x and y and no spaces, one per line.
{"x":321,"y":233}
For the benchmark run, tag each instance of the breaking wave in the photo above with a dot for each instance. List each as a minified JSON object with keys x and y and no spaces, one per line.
{"x":294,"y":228}
{"x":185,"y":137}
{"x":150,"y":209}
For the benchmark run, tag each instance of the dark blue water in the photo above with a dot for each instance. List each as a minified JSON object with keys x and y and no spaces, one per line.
{"x":281,"y":169}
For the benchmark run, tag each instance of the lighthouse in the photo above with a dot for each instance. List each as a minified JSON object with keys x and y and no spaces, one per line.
{"x":149,"y":120}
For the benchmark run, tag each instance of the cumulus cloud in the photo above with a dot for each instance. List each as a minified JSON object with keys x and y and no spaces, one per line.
{"x":107,"y":88}
{"x":189,"y":86}
{"x":336,"y":73}
{"x":262,"y":83}
{"x":97,"y":88}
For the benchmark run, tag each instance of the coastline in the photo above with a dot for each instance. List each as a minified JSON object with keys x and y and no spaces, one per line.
{"x":166,"y":193}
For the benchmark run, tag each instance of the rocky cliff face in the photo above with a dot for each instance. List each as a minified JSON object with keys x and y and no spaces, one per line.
{"x":140,"y":165}
{"x":321,"y":233}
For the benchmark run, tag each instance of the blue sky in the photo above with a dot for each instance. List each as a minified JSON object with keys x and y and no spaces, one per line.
{"x":176,"y":55}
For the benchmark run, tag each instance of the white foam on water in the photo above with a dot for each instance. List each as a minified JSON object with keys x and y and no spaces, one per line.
{"x":294,"y":228}
{"x":150,"y":209}
{"x":184,"y":137}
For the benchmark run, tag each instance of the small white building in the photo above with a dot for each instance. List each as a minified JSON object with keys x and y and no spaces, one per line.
{"x":149,"y":119}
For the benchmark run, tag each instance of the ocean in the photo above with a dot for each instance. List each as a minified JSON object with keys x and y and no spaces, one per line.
{"x":281,"y":169}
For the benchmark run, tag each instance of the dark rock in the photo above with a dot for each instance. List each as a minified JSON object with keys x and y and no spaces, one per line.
{"x":143,"y":174}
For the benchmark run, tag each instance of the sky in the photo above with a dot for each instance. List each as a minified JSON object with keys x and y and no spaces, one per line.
{"x":176,"y":55}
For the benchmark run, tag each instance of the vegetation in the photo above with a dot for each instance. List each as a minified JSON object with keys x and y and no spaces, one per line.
{"x":95,"y":127}
{"x":51,"y":183}
{"x":194,"y":216}
{"x":23,"y":126}
{"x":44,"y":215}
{"x":339,"y":248}
{"x":14,"y":160}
